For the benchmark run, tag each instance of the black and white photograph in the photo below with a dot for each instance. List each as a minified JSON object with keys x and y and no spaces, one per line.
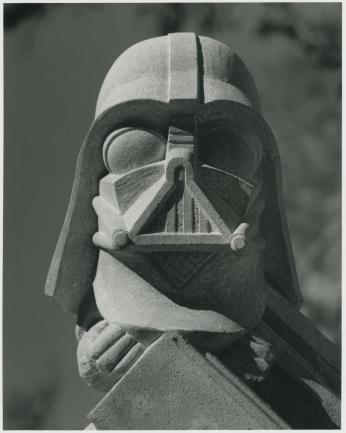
{"x":172,"y":216}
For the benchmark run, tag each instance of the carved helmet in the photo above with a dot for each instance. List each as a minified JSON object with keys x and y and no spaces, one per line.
{"x":196,"y":81}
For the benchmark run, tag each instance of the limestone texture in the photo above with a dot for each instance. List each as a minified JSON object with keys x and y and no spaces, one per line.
{"x":185,"y":391}
{"x":175,"y":253}
{"x":192,"y":94}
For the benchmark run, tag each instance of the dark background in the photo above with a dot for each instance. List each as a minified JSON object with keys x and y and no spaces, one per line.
{"x":56,"y":57}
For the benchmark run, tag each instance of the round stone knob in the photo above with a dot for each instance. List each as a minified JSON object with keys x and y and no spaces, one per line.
{"x":237,"y":242}
{"x":120,"y":238}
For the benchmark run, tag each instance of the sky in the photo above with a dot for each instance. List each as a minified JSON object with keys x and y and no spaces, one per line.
{"x":53,"y":69}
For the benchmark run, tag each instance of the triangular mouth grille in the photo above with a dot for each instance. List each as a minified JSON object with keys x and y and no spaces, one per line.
{"x":180,"y":213}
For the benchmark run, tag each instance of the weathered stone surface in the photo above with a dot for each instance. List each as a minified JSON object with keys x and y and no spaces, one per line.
{"x":147,"y":89}
{"x":185,"y":390}
{"x":176,"y":228}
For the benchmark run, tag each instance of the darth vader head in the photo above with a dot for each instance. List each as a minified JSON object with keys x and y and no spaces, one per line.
{"x":178,"y":184}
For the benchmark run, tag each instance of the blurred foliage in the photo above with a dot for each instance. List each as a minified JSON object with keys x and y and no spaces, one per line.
{"x":320,"y":41}
{"x":15,"y":14}
{"x":29,"y":408}
{"x":311,"y":152}
{"x":196,"y":17}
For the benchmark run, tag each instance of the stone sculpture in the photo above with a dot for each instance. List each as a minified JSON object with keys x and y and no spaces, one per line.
{"x":176,"y":221}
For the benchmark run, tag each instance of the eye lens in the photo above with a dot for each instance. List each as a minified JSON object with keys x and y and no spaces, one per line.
{"x":227,"y":149}
{"x":130,"y":148}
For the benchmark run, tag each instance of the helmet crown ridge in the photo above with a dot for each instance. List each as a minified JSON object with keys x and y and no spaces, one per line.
{"x":178,"y":67}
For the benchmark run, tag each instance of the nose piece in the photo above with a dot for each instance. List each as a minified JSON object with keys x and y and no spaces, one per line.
{"x":179,"y":157}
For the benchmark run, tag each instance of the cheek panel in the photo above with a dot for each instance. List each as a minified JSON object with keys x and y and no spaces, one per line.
{"x":225,"y":194}
{"x":225,"y":148}
{"x":131,"y":148}
{"x":132,"y":185}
